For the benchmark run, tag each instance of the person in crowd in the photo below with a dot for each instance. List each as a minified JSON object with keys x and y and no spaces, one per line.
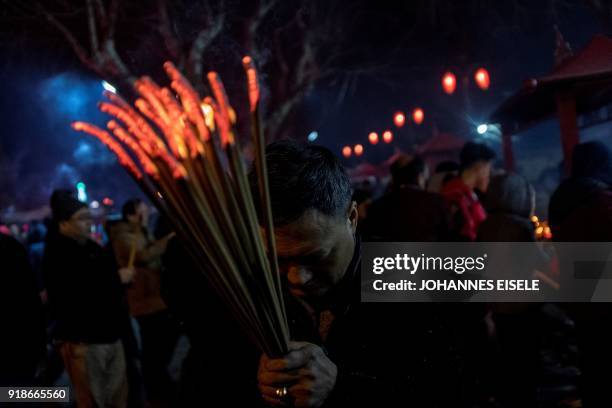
{"x":444,"y":172}
{"x":87,"y":305}
{"x":218,"y":350}
{"x":23,"y":342}
{"x":460,"y":193}
{"x":510,"y":203}
{"x":580,"y":210}
{"x":36,"y":249}
{"x":133,"y":244}
{"x":4,"y":229}
{"x":408,"y":212}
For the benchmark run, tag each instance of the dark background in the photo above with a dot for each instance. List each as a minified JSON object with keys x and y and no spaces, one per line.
{"x":371,"y":58}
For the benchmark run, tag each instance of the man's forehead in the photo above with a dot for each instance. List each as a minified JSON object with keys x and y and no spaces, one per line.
{"x":81,"y":212}
{"x":307,"y":234}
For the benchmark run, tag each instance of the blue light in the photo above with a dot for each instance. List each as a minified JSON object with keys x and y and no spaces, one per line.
{"x":312,"y":136}
{"x":482,"y":128}
{"x":68,"y":94}
{"x":109,"y":87}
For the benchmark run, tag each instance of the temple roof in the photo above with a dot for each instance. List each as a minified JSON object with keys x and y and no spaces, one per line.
{"x":586,"y":76}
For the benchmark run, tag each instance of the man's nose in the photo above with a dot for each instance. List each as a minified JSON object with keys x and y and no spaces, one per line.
{"x":298,"y":276}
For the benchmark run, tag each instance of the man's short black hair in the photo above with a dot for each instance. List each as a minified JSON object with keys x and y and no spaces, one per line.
{"x":303,"y":177}
{"x":473,"y":152}
{"x":130,"y":207}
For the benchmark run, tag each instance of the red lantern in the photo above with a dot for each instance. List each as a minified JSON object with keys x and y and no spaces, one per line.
{"x":373,"y":138}
{"x":418,"y":116}
{"x":482,"y":79}
{"x":399,"y":119}
{"x":347,"y":151}
{"x":449,"y":83}
{"x":387,"y":136}
{"x":358,"y":149}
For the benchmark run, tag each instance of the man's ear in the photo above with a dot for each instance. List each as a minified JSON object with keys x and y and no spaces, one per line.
{"x":353,"y":216}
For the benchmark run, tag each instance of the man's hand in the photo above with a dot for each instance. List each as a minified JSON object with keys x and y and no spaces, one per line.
{"x":126,"y":274}
{"x":306,"y":372}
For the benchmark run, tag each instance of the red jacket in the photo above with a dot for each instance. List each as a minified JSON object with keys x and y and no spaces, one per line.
{"x":467,"y":212}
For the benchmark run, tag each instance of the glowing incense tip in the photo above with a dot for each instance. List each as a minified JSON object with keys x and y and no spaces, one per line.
{"x":224,"y":117}
{"x":253,"y":85}
{"x":171,"y":70}
{"x":124,"y":158}
{"x":78,"y":126}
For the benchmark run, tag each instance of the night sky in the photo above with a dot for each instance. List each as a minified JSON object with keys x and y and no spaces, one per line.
{"x":44,"y":88}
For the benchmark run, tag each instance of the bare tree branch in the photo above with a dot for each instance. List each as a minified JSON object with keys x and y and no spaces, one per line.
{"x":113,"y":12}
{"x":171,"y":41}
{"x":204,"y":38}
{"x":102,"y":17}
{"x":120,"y":68}
{"x":76,"y":46}
{"x":261,"y":11}
{"x":93,"y":31}
{"x":277,"y":119}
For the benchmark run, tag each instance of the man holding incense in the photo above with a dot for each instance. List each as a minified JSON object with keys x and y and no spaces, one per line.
{"x":344,"y":352}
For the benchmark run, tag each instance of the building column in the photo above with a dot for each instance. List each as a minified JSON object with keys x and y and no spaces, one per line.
{"x":509,"y":164}
{"x":566,"y":110}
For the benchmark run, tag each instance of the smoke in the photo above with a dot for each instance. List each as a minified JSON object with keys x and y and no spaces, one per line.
{"x":68,"y":95}
{"x":39,"y":151}
{"x":88,"y":154}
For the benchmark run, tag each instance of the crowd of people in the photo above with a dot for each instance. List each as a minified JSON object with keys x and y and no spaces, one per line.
{"x":110,"y":314}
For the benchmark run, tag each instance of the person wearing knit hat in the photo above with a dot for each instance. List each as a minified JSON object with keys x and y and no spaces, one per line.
{"x":86,"y":302}
{"x":64,"y":204}
{"x":71,"y":216}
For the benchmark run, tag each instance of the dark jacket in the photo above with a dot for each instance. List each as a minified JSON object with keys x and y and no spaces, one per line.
{"x":407,"y":214}
{"x":581,"y":210}
{"x":221,"y":361}
{"x":501,"y":226}
{"x":143,"y":294}
{"x":85,"y":293}
{"x":22,"y":344}
{"x":387,"y":355}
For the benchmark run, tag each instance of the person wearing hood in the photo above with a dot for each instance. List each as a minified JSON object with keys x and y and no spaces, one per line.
{"x":86,"y":303}
{"x":510,"y":202}
{"x":581,"y":207}
{"x":580,"y":210}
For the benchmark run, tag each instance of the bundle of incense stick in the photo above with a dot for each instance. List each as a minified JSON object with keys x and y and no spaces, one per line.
{"x":183,"y":152}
